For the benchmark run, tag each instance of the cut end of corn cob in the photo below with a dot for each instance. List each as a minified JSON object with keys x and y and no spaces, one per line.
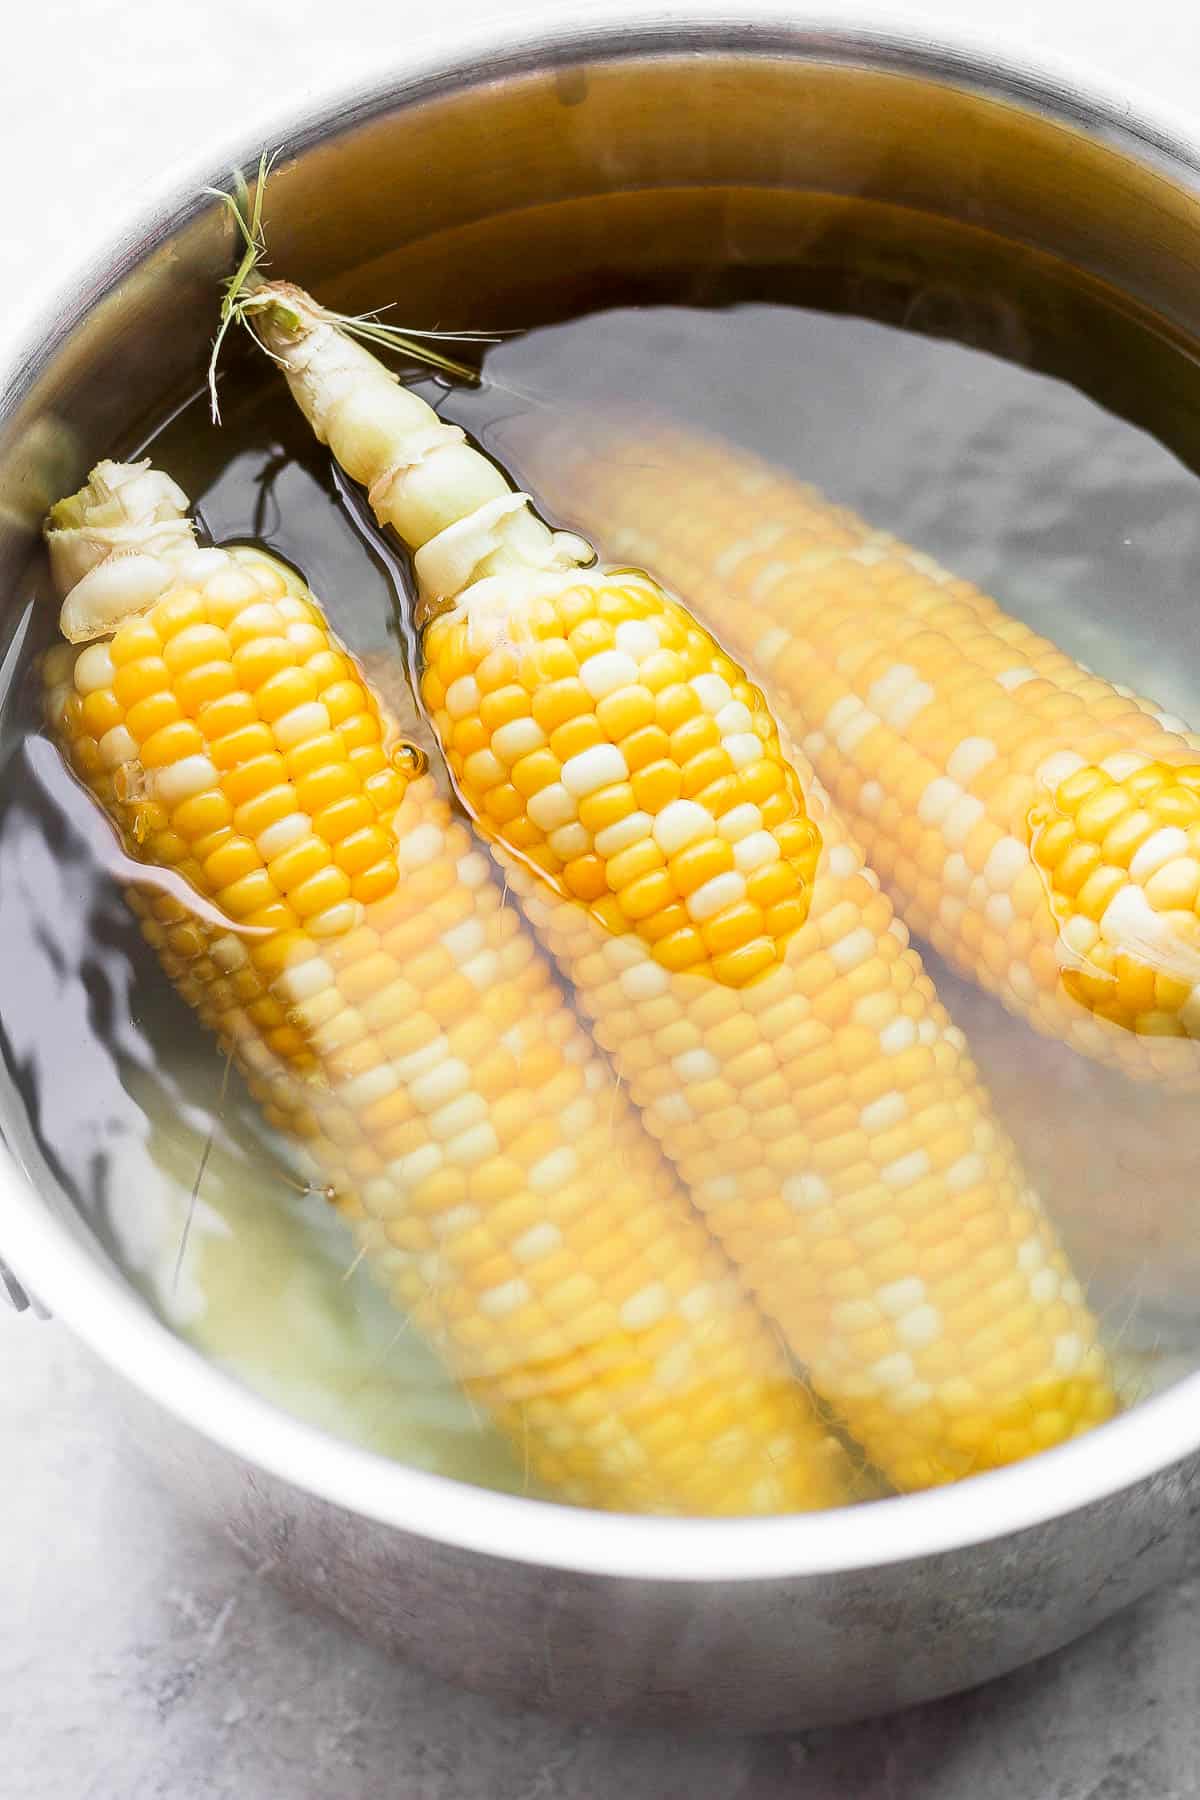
{"x":354,"y":956}
{"x":1119,"y":846}
{"x":601,"y":736}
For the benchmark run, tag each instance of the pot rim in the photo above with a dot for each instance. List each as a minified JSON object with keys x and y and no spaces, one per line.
{"x":113,"y":1321}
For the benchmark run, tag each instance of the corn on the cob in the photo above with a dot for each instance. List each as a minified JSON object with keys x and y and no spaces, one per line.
{"x":821,"y":1107}
{"x":351,"y":950}
{"x":1039,"y":826}
{"x":592,"y":729}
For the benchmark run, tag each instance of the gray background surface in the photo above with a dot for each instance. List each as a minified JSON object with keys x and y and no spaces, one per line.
{"x":140,"y":1658}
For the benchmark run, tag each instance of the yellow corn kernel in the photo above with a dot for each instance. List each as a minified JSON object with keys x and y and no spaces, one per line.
{"x":534,"y":772}
{"x":314,"y":753}
{"x":181,"y":608}
{"x":132,"y":641}
{"x":283,"y":691}
{"x":576,"y":736}
{"x":194,"y":645}
{"x":202,"y":814}
{"x":170,"y":744}
{"x":647,"y":895}
{"x":629,"y":865}
{"x":376,"y":882}
{"x":359,"y":850}
{"x":327,"y":786}
{"x":559,"y":701}
{"x":293,"y":867}
{"x":242,"y":781}
{"x":601,"y":811}
{"x":657,"y":785}
{"x":339,"y":819}
{"x":625,"y":712}
{"x":139,"y":678}
{"x":649,"y":745}
{"x":100,"y":712}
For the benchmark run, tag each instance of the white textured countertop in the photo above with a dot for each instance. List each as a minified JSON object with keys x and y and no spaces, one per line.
{"x":140,"y":1659}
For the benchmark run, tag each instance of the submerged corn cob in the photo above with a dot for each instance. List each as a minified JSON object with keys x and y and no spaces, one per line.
{"x":824,"y":1112}
{"x":331,"y":921}
{"x":1118,"y":1157}
{"x":1039,"y":826}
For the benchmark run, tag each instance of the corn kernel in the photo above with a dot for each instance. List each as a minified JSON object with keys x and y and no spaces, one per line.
{"x":656,"y":786}
{"x":586,"y":878}
{"x":139,"y":678}
{"x":171,"y":743}
{"x":576,"y":736}
{"x":700,"y":863}
{"x":626,"y":711}
{"x":132,"y":641}
{"x":283,"y":691}
{"x":558,"y":701}
{"x":533,"y":772}
{"x":607,"y":807}
{"x":332,"y":783}
{"x":245,"y":779}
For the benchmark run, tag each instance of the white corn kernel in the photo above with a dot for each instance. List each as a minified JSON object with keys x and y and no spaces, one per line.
{"x":441,"y":1084}
{"x":363,"y":1090}
{"x":735,"y":717}
{"x":1161,"y":847}
{"x":273,"y":840}
{"x":118,"y":746}
{"x":593,"y":769}
{"x":637,"y":638}
{"x":462,"y":697}
{"x":498,"y":1301}
{"x":626,"y":832}
{"x":715,"y":895}
{"x":969,"y":758}
{"x":464,"y":940}
{"x":520,"y":737}
{"x":554,"y":1170}
{"x":301,"y":723}
{"x":901,"y":1296}
{"x":607,"y":671}
{"x":180,"y":781}
{"x":93,"y":669}
{"x":551,"y":807}
{"x":740,"y":822}
{"x":570,"y":841}
{"x":458,"y":1115}
{"x":681,"y":823}
{"x":421,"y":846}
{"x":713,"y":692}
{"x":645,"y":1308}
{"x":540,"y":1240}
{"x":473,"y":1146}
{"x":757,"y":851}
{"x":742,"y":748}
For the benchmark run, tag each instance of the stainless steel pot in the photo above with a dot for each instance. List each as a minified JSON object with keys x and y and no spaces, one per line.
{"x":749,"y":1624}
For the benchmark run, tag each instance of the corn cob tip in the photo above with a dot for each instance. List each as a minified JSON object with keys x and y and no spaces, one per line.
{"x":113,"y":545}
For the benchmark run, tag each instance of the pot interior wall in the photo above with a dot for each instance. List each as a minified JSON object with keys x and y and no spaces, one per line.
{"x":443,"y":153}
